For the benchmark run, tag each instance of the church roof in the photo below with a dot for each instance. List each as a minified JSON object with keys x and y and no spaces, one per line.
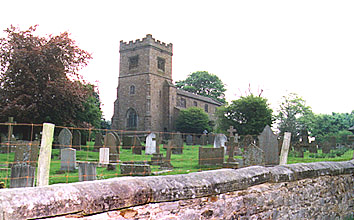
{"x":199,"y":97}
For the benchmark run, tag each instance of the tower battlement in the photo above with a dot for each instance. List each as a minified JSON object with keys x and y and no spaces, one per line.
{"x":146,"y":41}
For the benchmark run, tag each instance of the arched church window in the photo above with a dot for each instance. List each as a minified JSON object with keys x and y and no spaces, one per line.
{"x":132,"y":119}
{"x":132,"y":89}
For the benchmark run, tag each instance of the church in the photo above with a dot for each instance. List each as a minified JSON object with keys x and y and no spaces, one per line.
{"x":147,"y":99}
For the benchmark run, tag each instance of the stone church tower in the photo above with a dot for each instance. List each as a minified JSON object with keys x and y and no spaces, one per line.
{"x":144,"y":86}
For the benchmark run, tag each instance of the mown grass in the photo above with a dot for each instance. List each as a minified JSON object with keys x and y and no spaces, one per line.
{"x":183,"y":163}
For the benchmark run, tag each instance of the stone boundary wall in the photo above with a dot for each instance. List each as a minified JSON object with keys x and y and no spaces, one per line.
{"x":104,"y":195}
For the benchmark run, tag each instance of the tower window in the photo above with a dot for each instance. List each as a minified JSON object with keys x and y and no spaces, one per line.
{"x":195,"y":103}
{"x":206,"y":108}
{"x":132,"y":119}
{"x":132,"y":89}
{"x":161,"y":64}
{"x":133,"y":62}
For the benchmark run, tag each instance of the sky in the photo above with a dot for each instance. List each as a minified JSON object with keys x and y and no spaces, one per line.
{"x":279,"y":47}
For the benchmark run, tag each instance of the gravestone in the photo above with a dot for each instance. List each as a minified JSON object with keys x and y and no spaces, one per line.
{"x":26,"y":153}
{"x":211,"y":156}
{"x":269,"y":144}
{"x":22,"y":175}
{"x":157,"y":158}
{"x":104,"y":155}
{"x":253,"y":156}
{"x":285,"y":149}
{"x":177,"y":143}
{"x":65,"y":138}
{"x":247,"y":140}
{"x":196,"y":140}
{"x":76,"y":139}
{"x":68,"y":159}
{"x":189,"y":140}
{"x":135,"y":169}
{"x":211,"y":138}
{"x":136,"y":147}
{"x":166,"y":162}
{"x":204,"y":140}
{"x":98,"y":142}
{"x":231,"y":146}
{"x":219,"y":141}
{"x":113,"y":144}
{"x":87,"y":171}
{"x":150,"y":146}
{"x":326,"y":147}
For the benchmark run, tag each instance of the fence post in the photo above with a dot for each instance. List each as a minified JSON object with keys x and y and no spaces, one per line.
{"x":285,"y":149}
{"x":45,"y":155}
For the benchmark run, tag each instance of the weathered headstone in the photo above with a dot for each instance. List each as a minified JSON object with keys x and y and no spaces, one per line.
{"x":76,"y":139}
{"x":326,"y":147}
{"x":269,"y":144}
{"x":166,"y":163}
{"x":177,"y":143}
{"x":219,"y":141}
{"x":211,"y":156}
{"x":87,"y":171}
{"x":65,"y":138}
{"x":231,"y":146}
{"x":127,"y":142}
{"x":68,"y":159}
{"x":150,"y":146}
{"x":204,"y":140}
{"x":285,"y":149}
{"x":113,"y":144}
{"x":253,"y":155}
{"x":189,"y":140}
{"x":135,"y":168}
{"x":211,"y":138}
{"x":26,"y":153}
{"x":247,"y":140}
{"x":98,"y":141}
{"x":22,"y":175}
{"x":136,"y":147}
{"x":104,"y":156}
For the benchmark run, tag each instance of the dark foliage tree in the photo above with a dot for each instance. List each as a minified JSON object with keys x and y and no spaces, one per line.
{"x":249,"y":115}
{"x":39,"y":80}
{"x":193,"y":120}
{"x":205,"y":84}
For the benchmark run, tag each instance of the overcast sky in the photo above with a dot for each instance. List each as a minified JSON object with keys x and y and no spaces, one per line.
{"x":305,"y":47}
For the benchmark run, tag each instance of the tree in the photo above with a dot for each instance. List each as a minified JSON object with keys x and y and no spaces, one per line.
{"x":192,"y":120}
{"x":205,"y":84}
{"x":38,"y":78}
{"x":294,"y":116}
{"x":249,"y":115}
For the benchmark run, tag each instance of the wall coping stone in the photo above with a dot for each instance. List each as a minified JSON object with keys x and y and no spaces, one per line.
{"x":116,"y":193}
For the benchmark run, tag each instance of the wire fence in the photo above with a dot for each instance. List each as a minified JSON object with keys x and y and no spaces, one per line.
{"x":80,"y":154}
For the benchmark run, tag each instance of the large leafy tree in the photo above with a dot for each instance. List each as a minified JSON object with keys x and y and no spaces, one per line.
{"x":192,"y":120}
{"x":294,"y":116}
{"x":39,"y":80}
{"x":249,"y":115}
{"x":205,"y":84}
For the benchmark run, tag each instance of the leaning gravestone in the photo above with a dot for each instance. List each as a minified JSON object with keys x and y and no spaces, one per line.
{"x":285,"y":149}
{"x":268,"y":142}
{"x":253,"y":156}
{"x":113,"y":144}
{"x":211,"y":156}
{"x":76,"y":139}
{"x":65,"y":138}
{"x":150,"y":147}
{"x":68,"y":159}
{"x":87,"y":171}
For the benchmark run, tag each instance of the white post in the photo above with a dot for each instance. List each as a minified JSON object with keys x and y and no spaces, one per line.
{"x":45,"y":155}
{"x":285,"y":149}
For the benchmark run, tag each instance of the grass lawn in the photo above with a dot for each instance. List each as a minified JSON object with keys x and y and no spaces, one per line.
{"x":184,"y":163}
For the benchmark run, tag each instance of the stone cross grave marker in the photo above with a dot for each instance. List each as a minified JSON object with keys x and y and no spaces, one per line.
{"x":113,"y":144}
{"x":211,"y":156}
{"x":104,"y":155}
{"x":253,"y":156}
{"x":87,"y":171}
{"x":68,"y":159}
{"x":231,"y":145}
{"x":76,"y":139}
{"x":285,"y":149}
{"x":268,"y":142}
{"x":65,"y":138}
{"x":150,"y":147}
